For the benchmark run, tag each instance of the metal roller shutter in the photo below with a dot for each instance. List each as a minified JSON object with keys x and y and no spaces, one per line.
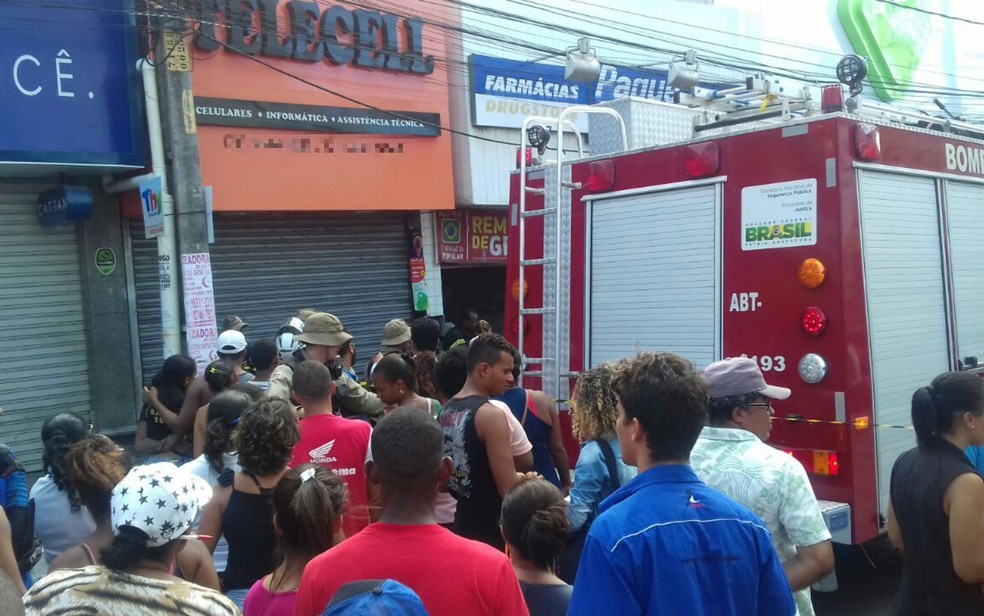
{"x":143,"y":261}
{"x":267,"y":266}
{"x":907,"y":329}
{"x":965,"y":207}
{"x":666,"y":285}
{"x":43,"y":356}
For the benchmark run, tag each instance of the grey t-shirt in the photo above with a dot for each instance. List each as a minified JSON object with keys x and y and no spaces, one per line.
{"x":57,"y":526}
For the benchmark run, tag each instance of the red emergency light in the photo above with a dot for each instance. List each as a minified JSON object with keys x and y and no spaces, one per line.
{"x":701,"y":160}
{"x":530,"y":160}
{"x":867,"y":141}
{"x":832,"y":99}
{"x":813,"y":321}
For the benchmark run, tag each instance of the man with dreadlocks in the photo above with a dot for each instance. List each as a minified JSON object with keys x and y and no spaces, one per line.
{"x":599,"y":470}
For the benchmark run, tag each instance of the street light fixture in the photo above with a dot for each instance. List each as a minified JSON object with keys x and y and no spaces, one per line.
{"x":582,"y":62}
{"x":686,"y":75}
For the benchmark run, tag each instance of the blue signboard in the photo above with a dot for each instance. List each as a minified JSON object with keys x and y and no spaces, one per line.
{"x":540,"y":89}
{"x":64,"y":205}
{"x":70,"y":92}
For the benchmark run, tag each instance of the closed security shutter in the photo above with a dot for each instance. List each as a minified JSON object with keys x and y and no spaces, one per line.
{"x":907,"y":327}
{"x":267,"y":266}
{"x":965,"y":206}
{"x":43,"y":358}
{"x":143,"y":255}
{"x":653,"y":287}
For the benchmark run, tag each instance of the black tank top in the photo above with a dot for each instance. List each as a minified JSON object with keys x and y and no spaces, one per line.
{"x":472,"y":483}
{"x":247,"y":525}
{"x":930,"y":586}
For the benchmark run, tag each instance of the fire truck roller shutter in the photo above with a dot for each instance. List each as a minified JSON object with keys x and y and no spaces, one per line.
{"x":965,"y":208}
{"x":907,"y":329}
{"x":653,"y":288}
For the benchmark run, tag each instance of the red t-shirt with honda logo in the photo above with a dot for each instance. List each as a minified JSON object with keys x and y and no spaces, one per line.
{"x":342,"y":446}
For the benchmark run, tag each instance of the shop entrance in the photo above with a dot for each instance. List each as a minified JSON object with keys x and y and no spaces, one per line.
{"x":482,"y":288}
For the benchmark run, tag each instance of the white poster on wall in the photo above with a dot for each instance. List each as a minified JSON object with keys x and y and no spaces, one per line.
{"x":780,"y":215}
{"x":199,"y":306}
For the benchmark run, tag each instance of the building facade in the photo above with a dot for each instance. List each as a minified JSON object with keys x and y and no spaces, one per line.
{"x":71,"y":111}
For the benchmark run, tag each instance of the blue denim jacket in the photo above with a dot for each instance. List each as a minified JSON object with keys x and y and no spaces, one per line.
{"x":591,"y":485}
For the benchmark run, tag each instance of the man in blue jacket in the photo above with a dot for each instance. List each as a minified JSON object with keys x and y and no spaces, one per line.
{"x":665,"y":543}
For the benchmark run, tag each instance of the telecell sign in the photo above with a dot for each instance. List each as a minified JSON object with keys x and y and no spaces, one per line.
{"x":359,"y":37}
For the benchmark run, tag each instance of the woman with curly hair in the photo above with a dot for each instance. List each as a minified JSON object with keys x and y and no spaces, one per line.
{"x":241,"y":509}
{"x":60,"y":520}
{"x":95,"y":466}
{"x":599,"y":470}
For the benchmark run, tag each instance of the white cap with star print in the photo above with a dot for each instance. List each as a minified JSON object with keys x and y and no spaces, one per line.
{"x":159,"y":499}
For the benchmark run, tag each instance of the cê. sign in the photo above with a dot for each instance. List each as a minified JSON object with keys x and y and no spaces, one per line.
{"x":70,"y":88}
{"x":64,"y":205}
{"x":472,"y":237}
{"x":359,"y":37}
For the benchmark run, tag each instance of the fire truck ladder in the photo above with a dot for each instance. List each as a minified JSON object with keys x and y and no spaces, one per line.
{"x":556,"y":259}
{"x":761,"y":98}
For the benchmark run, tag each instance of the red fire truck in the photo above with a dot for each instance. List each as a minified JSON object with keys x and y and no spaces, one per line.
{"x":838,"y":249}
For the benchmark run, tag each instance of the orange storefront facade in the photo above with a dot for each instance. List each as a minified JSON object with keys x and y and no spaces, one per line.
{"x":318,"y":105}
{"x":320,"y":142}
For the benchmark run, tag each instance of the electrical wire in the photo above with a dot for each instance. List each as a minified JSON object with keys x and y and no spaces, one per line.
{"x":461,"y":67}
{"x":919,"y":9}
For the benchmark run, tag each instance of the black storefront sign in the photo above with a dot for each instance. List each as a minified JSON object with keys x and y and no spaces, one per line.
{"x":315,"y":118}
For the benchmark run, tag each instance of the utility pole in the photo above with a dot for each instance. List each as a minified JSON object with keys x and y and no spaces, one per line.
{"x":169,"y":26}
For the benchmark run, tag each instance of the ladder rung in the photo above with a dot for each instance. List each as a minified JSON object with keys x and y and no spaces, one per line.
{"x":534,"y":191}
{"x":533,"y":372}
{"x":543,"y":212}
{"x":529,"y":262}
{"x":526,"y":311}
{"x":536,"y":360}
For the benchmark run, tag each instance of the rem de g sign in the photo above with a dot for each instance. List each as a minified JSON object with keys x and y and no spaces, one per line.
{"x":359,"y":37}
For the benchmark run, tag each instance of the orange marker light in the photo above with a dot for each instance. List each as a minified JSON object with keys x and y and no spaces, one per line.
{"x":826,"y":463}
{"x":812,"y":273}
{"x":515,"y":289}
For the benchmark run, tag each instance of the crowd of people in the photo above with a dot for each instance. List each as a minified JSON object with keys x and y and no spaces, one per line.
{"x":284,"y":481}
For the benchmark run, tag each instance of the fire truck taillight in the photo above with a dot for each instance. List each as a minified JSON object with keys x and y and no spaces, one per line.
{"x":812,"y":368}
{"x":813,"y":321}
{"x":867,"y":141}
{"x":701,"y":160}
{"x":826,"y":463}
{"x":515,"y":327}
{"x":812,"y":273}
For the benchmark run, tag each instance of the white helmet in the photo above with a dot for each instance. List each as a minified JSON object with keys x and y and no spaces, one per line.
{"x":286,"y":338}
